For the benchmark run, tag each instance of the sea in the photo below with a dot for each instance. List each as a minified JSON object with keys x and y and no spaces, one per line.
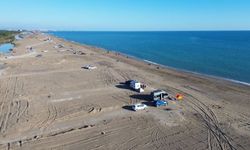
{"x":223,"y":54}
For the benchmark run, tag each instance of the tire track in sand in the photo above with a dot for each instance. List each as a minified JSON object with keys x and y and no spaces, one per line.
{"x":12,"y":109}
{"x":217,"y":139}
{"x":51,"y":116}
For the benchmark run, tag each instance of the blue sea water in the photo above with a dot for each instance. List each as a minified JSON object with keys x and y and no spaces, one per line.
{"x":223,"y":54}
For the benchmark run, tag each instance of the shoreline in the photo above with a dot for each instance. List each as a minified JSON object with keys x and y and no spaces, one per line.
{"x":157,"y":64}
{"x":61,"y":105}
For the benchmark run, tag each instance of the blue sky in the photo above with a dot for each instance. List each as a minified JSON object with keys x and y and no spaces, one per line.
{"x":125,"y":14}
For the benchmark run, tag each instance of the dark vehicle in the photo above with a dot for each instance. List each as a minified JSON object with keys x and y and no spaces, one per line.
{"x":128,"y":82}
{"x":159,"y":95}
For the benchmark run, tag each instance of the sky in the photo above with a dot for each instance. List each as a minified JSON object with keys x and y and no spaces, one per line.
{"x":125,"y":15}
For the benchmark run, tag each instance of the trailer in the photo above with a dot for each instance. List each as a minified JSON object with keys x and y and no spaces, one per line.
{"x":135,"y":85}
{"x":159,"y":95}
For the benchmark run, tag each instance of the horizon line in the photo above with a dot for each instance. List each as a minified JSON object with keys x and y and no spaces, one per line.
{"x":135,"y":30}
{"x":54,"y":30}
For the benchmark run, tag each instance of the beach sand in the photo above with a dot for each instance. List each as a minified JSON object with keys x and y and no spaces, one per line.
{"x":48,"y":101}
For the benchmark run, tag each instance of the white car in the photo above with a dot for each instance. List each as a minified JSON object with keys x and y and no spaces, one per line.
{"x":139,"y":107}
{"x":90,"y":67}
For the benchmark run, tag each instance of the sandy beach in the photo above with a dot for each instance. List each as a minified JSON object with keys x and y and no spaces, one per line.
{"x":48,"y":101}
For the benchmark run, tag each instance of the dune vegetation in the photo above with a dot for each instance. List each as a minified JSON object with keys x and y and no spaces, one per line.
{"x":7,"y":36}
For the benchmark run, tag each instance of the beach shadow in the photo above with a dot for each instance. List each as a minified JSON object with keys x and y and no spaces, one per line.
{"x":168,"y":109}
{"x":143,"y":97}
{"x":123,"y":86}
{"x":128,"y":107}
{"x":149,"y":103}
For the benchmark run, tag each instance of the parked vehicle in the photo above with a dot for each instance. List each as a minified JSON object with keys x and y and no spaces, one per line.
{"x":135,"y":85}
{"x":90,"y":67}
{"x":128,"y":82}
{"x":139,"y":107}
{"x":159,"y":95}
{"x":159,"y":103}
